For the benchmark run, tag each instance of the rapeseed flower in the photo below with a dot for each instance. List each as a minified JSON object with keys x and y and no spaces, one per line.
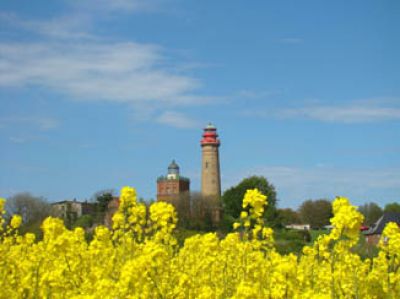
{"x":139,"y":258}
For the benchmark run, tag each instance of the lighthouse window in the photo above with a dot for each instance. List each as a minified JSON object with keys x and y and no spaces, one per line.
{"x":206,"y":164}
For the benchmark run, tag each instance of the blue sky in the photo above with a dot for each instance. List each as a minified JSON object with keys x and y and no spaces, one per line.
{"x":101,"y":94}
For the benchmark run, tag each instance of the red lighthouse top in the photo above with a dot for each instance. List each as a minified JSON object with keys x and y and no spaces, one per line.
{"x":210,"y":136}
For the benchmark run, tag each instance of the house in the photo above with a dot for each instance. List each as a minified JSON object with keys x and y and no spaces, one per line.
{"x":112,"y":208}
{"x":172,"y":186}
{"x":70,"y":210}
{"x":373,"y":234}
{"x":298,"y":226}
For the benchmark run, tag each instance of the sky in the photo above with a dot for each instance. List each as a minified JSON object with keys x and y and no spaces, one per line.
{"x":101,"y":94}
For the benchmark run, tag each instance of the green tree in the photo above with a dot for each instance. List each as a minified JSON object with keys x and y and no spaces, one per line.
{"x":32,"y":209}
{"x":200,"y":212}
{"x":371,"y":211}
{"x":288,"y":216}
{"x":85,"y":221}
{"x":233,"y":197}
{"x":317,"y":213}
{"x":392,"y":207}
{"x":102,"y":199}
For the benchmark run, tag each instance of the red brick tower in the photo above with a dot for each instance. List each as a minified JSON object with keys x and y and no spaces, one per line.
{"x":173,"y":185}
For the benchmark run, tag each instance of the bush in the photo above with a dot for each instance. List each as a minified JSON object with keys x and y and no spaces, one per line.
{"x":291,"y":241}
{"x":85,"y":221}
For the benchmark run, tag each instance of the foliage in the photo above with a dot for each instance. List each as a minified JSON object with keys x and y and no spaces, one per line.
{"x":232,"y":198}
{"x":226,"y":223}
{"x":182,"y":207}
{"x":85,"y":221}
{"x":291,"y":241}
{"x":200,"y":216}
{"x":392,"y":207}
{"x":103,"y":198}
{"x":140,"y":258}
{"x":371,"y":211}
{"x":288,"y":216}
{"x":365,"y":250}
{"x":32,"y":209}
{"x":182,"y":234}
{"x":316,"y":212}
{"x":315,"y":233}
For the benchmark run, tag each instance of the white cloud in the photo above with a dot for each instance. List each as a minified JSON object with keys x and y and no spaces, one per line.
{"x":117,"y":5}
{"x":345,"y":114}
{"x":178,"y":120}
{"x":118,"y":72}
{"x":18,"y":140}
{"x":363,"y":111}
{"x":41,"y":123}
{"x":71,"y":61}
{"x":62,"y":27}
{"x":81,"y":18}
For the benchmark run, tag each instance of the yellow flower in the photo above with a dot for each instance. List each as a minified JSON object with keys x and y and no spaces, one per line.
{"x":236,"y":225}
{"x":256,"y":200}
{"x":139,"y":258}
{"x":16,"y":221}
{"x":2,"y":203}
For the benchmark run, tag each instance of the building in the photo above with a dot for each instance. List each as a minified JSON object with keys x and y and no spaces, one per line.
{"x":70,"y":210}
{"x":173,"y":186}
{"x":210,"y":171}
{"x":112,"y":208}
{"x":373,"y":234}
{"x":298,"y":226}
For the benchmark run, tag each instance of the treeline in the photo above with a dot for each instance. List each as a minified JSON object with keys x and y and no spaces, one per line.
{"x":196,"y":212}
{"x":34,"y":209}
{"x":317,"y":213}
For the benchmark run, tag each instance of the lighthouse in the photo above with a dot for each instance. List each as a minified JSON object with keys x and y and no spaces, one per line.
{"x":172,"y":186}
{"x":210,"y":171}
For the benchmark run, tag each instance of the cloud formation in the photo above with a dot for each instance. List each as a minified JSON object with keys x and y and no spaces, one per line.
{"x":364,"y":111}
{"x":119,"y":72}
{"x":178,"y":120}
{"x":124,"y":6}
{"x":62,"y":27}
{"x":345,"y":114}
{"x":71,"y":61}
{"x":41,"y":123}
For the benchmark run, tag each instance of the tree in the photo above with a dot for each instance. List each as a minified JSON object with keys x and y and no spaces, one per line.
{"x":102,"y":199}
{"x":392,"y":207}
{"x":317,"y":213}
{"x":288,"y":216}
{"x":181,"y":204}
{"x":233,"y":197}
{"x":32,"y":209}
{"x":200,"y":216}
{"x":85,"y":221}
{"x":371,"y":211}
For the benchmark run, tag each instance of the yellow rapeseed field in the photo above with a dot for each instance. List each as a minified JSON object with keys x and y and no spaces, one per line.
{"x":140,"y":258}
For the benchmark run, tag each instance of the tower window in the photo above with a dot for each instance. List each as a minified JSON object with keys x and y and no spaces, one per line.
{"x":206,"y":165}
